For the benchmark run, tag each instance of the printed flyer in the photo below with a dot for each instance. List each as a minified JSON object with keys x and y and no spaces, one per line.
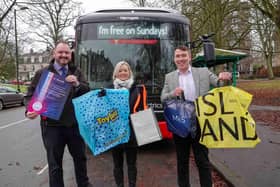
{"x":50,"y":95}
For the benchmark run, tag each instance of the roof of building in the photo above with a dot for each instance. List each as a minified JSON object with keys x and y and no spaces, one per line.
{"x":222,"y":56}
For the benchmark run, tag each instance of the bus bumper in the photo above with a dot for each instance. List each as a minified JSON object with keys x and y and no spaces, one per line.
{"x":166,"y":134}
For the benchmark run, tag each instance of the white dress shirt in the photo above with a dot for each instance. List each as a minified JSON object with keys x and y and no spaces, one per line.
{"x":186,"y":83}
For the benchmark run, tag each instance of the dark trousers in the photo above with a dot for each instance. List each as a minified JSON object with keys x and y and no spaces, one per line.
{"x":200,"y":152}
{"x":55,"y":139}
{"x":131,"y":157}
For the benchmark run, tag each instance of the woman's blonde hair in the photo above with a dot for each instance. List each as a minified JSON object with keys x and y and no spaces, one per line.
{"x":117,"y":69}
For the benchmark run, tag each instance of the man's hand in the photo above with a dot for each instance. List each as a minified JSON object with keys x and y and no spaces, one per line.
{"x":31,"y":115}
{"x":225,"y":76}
{"x":73,"y":80}
{"x":178,"y":92}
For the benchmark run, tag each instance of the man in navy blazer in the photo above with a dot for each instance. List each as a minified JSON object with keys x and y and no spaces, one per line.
{"x":192,"y":82}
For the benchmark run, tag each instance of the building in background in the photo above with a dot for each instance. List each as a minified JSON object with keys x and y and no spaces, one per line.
{"x":31,"y":62}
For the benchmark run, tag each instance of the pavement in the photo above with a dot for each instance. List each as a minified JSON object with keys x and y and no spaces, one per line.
{"x":156,"y":167}
{"x":246,"y":167}
{"x":252,"y":167}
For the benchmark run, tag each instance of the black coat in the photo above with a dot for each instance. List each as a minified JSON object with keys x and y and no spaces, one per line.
{"x":134,"y":91}
{"x":68,"y":116}
{"x":133,"y":94}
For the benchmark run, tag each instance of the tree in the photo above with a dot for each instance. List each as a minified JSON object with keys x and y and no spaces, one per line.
{"x":269,"y":8}
{"x":146,"y":3}
{"x":7,"y":60}
{"x":228,"y":19}
{"x":173,"y":4}
{"x":8,"y":69}
{"x":7,"y":65}
{"x":52,"y":18}
{"x":6,"y":7}
{"x":139,"y":3}
{"x":264,"y":29}
{"x":270,"y":11}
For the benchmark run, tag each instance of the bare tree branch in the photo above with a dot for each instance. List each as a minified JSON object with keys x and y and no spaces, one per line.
{"x":265,"y":29}
{"x":4,"y":12}
{"x":271,"y":9}
{"x":52,"y":17}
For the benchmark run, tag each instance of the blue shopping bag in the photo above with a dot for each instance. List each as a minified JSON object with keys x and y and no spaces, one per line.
{"x":180,"y":117}
{"x":103,"y":118}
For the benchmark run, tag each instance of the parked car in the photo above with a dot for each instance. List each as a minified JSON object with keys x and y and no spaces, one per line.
{"x":27,"y":83}
{"x":10,"y":96}
{"x":20,"y":82}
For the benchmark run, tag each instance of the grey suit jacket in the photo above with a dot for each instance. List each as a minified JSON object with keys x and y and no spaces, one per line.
{"x":202,"y":77}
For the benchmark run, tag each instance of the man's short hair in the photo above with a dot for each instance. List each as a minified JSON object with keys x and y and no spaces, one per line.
{"x":61,"y":42}
{"x":183,"y":48}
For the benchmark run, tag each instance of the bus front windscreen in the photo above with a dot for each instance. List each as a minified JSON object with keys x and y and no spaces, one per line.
{"x":147,"y":46}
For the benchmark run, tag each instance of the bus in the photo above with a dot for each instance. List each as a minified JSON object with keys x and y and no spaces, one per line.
{"x":144,"y":37}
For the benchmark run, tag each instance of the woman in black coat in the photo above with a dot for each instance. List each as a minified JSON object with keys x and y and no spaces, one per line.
{"x":123,"y":79}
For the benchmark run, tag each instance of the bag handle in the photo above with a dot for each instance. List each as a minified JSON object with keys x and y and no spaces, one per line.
{"x":182,"y":96}
{"x":227,"y":83}
{"x":144,"y":96}
{"x":102,"y":92}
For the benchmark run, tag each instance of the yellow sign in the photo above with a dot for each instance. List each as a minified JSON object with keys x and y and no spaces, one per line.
{"x":224,"y":119}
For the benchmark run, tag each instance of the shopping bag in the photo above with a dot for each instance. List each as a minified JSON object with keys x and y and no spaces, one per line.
{"x":144,"y":123}
{"x":103,"y":118}
{"x":224,"y":119}
{"x":145,"y":126}
{"x":180,"y":117}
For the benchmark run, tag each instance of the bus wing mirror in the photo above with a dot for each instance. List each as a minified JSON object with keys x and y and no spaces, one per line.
{"x":209,"y":51}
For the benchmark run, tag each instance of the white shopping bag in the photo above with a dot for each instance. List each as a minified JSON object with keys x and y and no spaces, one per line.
{"x":145,"y":124}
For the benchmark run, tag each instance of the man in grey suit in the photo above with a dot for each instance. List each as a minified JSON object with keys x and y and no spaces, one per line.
{"x":192,"y":82}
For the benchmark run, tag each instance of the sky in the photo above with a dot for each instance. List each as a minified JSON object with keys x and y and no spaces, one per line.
{"x":92,"y":5}
{"x":87,"y":7}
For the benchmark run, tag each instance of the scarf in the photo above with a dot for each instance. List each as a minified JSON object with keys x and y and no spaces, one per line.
{"x":123,"y":84}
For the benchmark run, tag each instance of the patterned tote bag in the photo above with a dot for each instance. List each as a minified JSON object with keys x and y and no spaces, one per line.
{"x":103,"y":118}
